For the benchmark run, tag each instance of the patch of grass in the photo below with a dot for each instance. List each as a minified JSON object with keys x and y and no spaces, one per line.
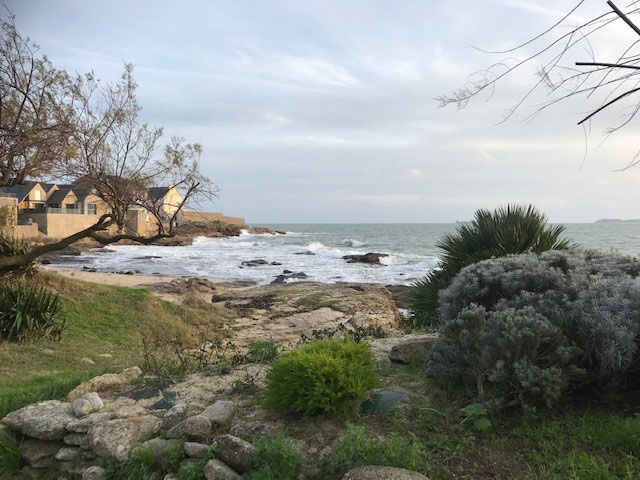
{"x":140,"y":464}
{"x":10,"y":456}
{"x":276,"y":458}
{"x":362,"y":446}
{"x":100,"y":319}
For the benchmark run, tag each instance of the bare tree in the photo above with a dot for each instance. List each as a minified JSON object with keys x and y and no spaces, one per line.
{"x":604,"y":82}
{"x":34,"y":114}
{"x":101,"y":145}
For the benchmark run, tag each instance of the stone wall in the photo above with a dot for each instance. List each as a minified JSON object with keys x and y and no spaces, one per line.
{"x":191,"y":216}
{"x":61,"y":225}
{"x":26,"y":231}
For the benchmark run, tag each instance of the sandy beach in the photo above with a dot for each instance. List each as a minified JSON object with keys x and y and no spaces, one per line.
{"x":104,"y":278}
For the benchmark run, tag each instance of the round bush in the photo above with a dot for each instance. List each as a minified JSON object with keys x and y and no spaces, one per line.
{"x":324,"y":376}
{"x":530,"y":328}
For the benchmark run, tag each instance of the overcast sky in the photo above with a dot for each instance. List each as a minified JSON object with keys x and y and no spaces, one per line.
{"x":324,"y":111}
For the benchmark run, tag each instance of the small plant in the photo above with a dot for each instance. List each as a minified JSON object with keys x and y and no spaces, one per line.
{"x":362,"y":446}
{"x":140,"y":464}
{"x":276,"y":458}
{"x":263,"y":351}
{"x":323,"y":376}
{"x":478,"y":415}
{"x":356,"y":333}
{"x":28,"y":313}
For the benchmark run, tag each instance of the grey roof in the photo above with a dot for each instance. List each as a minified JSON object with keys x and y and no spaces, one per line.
{"x":158,"y":192}
{"x":20,"y":191}
{"x":59,"y":195}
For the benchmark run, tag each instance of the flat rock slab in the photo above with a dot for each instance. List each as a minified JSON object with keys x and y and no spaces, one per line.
{"x":216,"y":470}
{"x":414,"y":350}
{"x":114,"y":439}
{"x":379,"y":473}
{"x":43,"y":420}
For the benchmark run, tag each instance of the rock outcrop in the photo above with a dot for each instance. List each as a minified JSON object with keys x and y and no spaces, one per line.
{"x":371,"y":258}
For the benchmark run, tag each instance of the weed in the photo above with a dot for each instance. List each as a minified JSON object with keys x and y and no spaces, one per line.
{"x":276,"y":458}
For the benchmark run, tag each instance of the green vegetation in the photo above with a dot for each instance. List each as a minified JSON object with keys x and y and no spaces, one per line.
{"x":10,"y":456}
{"x":143,"y":464}
{"x":196,"y":471}
{"x":323,"y":376}
{"x":276,"y":458}
{"x":11,"y":246}
{"x":362,"y":446}
{"x":507,"y":230}
{"x":263,"y":351}
{"x":29,"y":313}
{"x":100,"y":319}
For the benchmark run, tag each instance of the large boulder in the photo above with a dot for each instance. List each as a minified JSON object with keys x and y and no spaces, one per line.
{"x":162,"y":449}
{"x":220,"y":413}
{"x":379,"y":473}
{"x":235,"y":452}
{"x":415,"y":349}
{"x":216,"y":470}
{"x":114,"y":439}
{"x":176,"y":414}
{"x":196,"y":428}
{"x":43,"y":420}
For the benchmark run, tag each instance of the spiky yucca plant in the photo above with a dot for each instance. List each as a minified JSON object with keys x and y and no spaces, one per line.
{"x":11,"y":246}
{"x":506,"y":230}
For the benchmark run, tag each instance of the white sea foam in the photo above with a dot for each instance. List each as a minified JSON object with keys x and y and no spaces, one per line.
{"x":350,"y":242}
{"x":221,"y":260}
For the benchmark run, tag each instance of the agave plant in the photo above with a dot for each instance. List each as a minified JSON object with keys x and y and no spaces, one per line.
{"x":506,"y":230}
{"x":28,"y":312}
{"x":11,"y":246}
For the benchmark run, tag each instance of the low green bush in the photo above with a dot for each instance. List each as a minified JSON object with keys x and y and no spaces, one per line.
{"x":362,"y":446}
{"x":276,"y":458}
{"x":28,"y":312}
{"x":324,"y":376}
{"x":263,"y":351}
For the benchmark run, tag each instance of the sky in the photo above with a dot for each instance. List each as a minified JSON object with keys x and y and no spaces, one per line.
{"x":325,"y":110}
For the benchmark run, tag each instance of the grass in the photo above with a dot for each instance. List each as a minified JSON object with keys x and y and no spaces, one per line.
{"x":101,"y":319}
{"x":276,"y":458}
{"x":10,"y":456}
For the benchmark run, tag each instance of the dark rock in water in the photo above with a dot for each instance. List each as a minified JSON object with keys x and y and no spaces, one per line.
{"x":87,"y":269}
{"x":287,"y":277}
{"x":45,"y":261}
{"x":399,"y":294}
{"x":276,"y":263}
{"x":255,"y":263}
{"x":69,"y":251}
{"x":381,"y":402}
{"x":286,"y":272}
{"x":372,"y":258}
{"x":304,"y":253}
{"x":146,"y":257}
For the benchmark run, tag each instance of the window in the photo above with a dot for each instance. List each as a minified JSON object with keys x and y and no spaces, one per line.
{"x":70,"y":206}
{"x":92,"y":209}
{"x":37,"y":194}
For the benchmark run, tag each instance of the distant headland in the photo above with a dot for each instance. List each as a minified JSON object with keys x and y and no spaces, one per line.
{"x":617,"y":220}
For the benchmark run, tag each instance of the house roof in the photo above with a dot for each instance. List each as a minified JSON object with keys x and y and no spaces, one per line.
{"x":59,"y":195}
{"x":20,"y":191}
{"x":157,"y":193}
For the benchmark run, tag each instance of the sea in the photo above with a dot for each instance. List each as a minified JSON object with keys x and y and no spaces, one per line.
{"x":317,"y":250}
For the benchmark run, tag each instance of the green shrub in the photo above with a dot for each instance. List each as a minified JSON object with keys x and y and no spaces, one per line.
{"x":10,"y":247}
{"x":324,"y":376}
{"x":362,"y":446}
{"x":28,"y":312}
{"x":528,"y":329}
{"x":276,"y":458}
{"x":507,"y":230}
